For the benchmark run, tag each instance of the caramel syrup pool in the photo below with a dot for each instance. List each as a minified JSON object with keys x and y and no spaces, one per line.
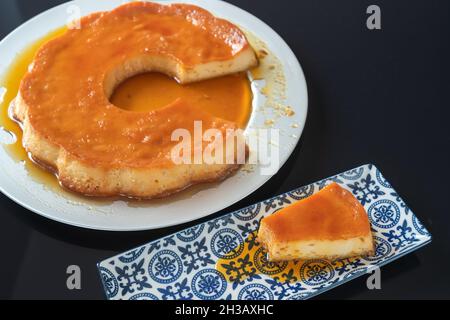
{"x":10,"y":81}
{"x":229,"y":97}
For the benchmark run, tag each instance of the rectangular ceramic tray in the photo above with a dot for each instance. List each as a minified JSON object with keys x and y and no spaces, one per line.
{"x":220,"y":259}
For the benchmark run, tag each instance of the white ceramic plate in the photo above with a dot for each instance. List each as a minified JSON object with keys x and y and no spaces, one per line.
{"x":121,"y":215}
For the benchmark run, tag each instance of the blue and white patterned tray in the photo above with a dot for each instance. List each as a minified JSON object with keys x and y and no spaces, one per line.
{"x":183,"y":265}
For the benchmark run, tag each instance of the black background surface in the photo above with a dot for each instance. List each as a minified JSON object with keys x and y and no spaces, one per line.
{"x":377,"y":97}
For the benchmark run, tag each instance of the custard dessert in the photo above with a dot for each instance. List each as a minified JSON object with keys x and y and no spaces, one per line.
{"x":329,"y":224}
{"x":97,"y":149}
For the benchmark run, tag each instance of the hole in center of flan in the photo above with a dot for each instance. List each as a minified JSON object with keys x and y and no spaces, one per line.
{"x":229,"y":97}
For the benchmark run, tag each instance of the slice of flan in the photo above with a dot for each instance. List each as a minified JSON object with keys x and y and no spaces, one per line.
{"x":330,"y":224}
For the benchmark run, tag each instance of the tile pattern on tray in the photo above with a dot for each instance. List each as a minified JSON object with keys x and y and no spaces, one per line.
{"x":183,"y":265}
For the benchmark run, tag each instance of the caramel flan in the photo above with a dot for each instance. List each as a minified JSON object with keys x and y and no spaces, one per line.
{"x":98,"y":149}
{"x":329,"y":224}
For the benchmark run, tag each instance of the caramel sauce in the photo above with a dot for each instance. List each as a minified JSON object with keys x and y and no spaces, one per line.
{"x":228,"y":97}
{"x":11,"y":81}
{"x":66,"y":93}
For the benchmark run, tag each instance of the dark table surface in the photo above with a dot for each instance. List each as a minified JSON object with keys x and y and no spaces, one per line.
{"x":377,"y":97}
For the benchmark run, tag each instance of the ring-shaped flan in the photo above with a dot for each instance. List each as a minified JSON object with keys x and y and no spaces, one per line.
{"x":99,"y":149}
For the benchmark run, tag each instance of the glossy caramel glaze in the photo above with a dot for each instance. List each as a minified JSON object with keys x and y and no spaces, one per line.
{"x":68,"y":104}
{"x":330,"y":214}
{"x":228,"y":97}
